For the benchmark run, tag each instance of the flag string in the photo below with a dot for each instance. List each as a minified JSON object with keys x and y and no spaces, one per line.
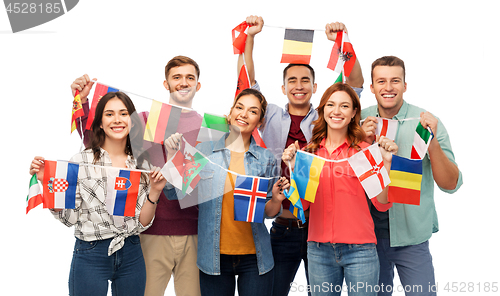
{"x":281,"y":27}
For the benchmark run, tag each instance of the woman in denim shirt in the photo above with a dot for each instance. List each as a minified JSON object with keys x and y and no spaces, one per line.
{"x":227,"y":248}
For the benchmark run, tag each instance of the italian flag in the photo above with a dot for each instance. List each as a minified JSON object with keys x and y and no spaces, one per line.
{"x":35,"y":194}
{"x":421,"y":142}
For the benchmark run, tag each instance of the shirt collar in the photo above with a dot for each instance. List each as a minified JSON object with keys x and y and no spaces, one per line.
{"x":221,"y":145}
{"x":345,"y":143}
{"x":285,"y":111}
{"x":401,"y":113}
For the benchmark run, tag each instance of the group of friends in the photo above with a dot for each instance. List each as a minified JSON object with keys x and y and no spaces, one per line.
{"x":346,"y":235}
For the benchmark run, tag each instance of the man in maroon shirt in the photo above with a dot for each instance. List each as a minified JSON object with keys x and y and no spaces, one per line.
{"x":170,"y":245}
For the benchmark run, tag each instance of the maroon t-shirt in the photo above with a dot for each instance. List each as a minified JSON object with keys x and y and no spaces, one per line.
{"x":295,"y":134}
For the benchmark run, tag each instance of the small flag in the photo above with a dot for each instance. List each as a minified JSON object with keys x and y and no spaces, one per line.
{"x":122,"y":192}
{"x":163,"y":121}
{"x":243,"y":81}
{"x":239,"y":38}
{"x":258,"y":138}
{"x":387,"y":128}
{"x":295,"y":203}
{"x":35,"y":194}
{"x":59,"y":184}
{"x":213,"y":127}
{"x":307,"y":172}
{"x":343,"y":55}
{"x":297,"y":46}
{"x":250,"y":199}
{"x":421,"y":142}
{"x":183,"y":168}
{"x":340,"y":78}
{"x":406,"y":179}
{"x":368,"y":165}
{"x":99,"y":91}
{"x":77,"y":110}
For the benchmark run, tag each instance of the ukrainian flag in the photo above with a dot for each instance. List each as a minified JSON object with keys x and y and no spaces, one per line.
{"x":406,"y":178}
{"x":307,"y":172}
{"x":295,"y":204}
{"x":297,"y":46}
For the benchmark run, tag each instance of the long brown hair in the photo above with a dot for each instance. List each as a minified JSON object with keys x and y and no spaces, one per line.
{"x":98,"y":133}
{"x":355,"y":133}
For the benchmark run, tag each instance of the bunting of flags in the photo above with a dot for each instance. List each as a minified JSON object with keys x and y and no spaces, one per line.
{"x":343,"y":57}
{"x":297,"y":46}
{"x":250,"y":195}
{"x":35,"y":196}
{"x":123,"y":190}
{"x":239,"y":38}
{"x":406,"y":179}
{"x":368,"y":165}
{"x":243,"y":81}
{"x":77,"y":110}
{"x":59,"y":184}
{"x":213,"y":127}
{"x":99,"y":91}
{"x":163,"y":121}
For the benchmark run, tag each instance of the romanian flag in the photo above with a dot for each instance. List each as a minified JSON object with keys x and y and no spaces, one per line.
{"x":297,"y":46}
{"x":421,"y":142}
{"x":239,"y":38}
{"x":123,"y":189}
{"x":59,"y":184}
{"x":163,"y":121}
{"x":77,"y":110}
{"x":295,"y":204}
{"x":99,"y":91}
{"x":406,"y":178}
{"x":307,"y":172}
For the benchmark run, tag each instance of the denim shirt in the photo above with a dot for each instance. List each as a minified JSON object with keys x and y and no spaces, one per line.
{"x":258,"y":162}
{"x":411,"y":224}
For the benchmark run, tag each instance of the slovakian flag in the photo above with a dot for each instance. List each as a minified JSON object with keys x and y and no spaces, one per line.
{"x":122,"y":191}
{"x":343,"y":56}
{"x":243,"y":81}
{"x":307,"y":172}
{"x":421,"y":142}
{"x":297,"y":46}
{"x":34,"y":195}
{"x":368,"y":165}
{"x":99,"y":91}
{"x":239,"y":38}
{"x":295,"y":203}
{"x":182,"y":170}
{"x":387,"y":128}
{"x":59,"y":184}
{"x":250,"y":195}
{"x":163,"y":121}
{"x":213,"y":127}
{"x":406,"y":180}
{"x":77,"y":110}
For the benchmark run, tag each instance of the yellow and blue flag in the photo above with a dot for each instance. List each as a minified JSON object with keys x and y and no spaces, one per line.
{"x":406,"y":179}
{"x":295,"y":204}
{"x":307,"y":172}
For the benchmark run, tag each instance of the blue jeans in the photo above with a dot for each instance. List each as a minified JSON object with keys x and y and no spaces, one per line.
{"x":289,"y":249}
{"x":415,"y":269}
{"x":92,"y":268}
{"x":250,"y":283}
{"x":330,"y":264}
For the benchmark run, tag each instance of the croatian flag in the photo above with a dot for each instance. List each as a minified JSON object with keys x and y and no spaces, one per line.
{"x":123,"y":189}
{"x":250,"y":199}
{"x":368,"y":165}
{"x":59,"y":184}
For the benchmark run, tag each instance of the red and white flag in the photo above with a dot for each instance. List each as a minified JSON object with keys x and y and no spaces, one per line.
{"x":387,"y":128}
{"x":343,"y":55}
{"x":243,"y":81}
{"x":368,"y":165}
{"x":239,"y":38}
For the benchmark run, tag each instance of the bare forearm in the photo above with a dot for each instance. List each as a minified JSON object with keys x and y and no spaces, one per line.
{"x":444,"y":171}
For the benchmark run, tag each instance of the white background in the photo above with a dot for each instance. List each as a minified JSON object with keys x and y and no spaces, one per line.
{"x":451,"y":53}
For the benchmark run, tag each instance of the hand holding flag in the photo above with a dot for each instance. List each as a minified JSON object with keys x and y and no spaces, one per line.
{"x":82,"y":84}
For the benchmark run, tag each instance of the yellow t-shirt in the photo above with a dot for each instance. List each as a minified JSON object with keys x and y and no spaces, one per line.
{"x":235,"y":236}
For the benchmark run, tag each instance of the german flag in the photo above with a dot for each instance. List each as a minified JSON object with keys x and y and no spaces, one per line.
{"x":297,"y":46}
{"x":163,"y":121}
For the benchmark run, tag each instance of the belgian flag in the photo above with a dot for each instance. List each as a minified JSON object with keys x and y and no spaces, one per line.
{"x":297,"y":46}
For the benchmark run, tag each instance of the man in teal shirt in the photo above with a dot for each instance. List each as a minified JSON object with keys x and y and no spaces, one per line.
{"x":403,"y":232}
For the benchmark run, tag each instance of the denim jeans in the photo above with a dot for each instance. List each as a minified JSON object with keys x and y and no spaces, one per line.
{"x":415,"y":269}
{"x":330,"y":264}
{"x":92,"y":268}
{"x":289,"y":249}
{"x":250,"y":283}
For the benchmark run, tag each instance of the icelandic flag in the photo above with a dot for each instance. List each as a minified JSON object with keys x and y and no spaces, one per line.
{"x":250,"y":199}
{"x":59,"y":184}
{"x":122,"y":192}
